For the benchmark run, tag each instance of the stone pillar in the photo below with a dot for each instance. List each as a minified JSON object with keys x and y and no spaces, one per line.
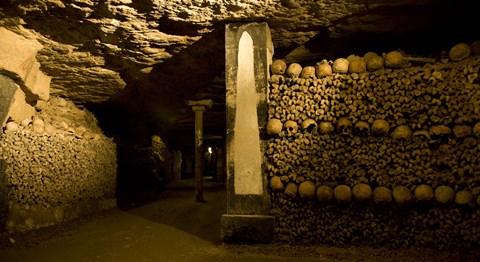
{"x":199,"y":107}
{"x":3,"y":194}
{"x":249,"y":51}
{"x":177,"y":166}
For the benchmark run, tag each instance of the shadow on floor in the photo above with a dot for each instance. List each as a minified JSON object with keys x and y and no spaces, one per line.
{"x":176,"y":207}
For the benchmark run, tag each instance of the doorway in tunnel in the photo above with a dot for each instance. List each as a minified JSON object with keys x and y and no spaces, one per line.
{"x":213,"y":161}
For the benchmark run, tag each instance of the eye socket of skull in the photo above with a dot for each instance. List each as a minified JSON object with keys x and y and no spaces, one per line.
{"x":309,"y":125}
{"x":291,"y":127}
{"x":310,"y":128}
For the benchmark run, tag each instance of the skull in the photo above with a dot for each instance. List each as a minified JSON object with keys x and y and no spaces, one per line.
{"x":324,"y":193}
{"x":423,"y":193}
{"x":276,"y":184}
{"x":325,"y":127}
{"x":382,"y":195}
{"x":278,"y":67}
{"x":462,"y":131}
{"x":11,"y":127}
{"x":323,"y":68}
{"x":422,"y":134}
{"x":440,"y":131}
{"x":380,"y":127}
{"x":402,"y":132}
{"x":274,"y":126}
{"x":402,"y":195}
{"x":291,"y":127}
{"x":342,"y":194}
{"x":361,"y":128}
{"x":374,"y":61}
{"x":459,"y":52}
{"x":25,"y":122}
{"x":394,"y":59}
{"x":294,"y":70}
{"x":308,"y":72}
{"x":362,"y":192}
{"x":369,"y":55}
{"x":352,"y":57}
{"x":476,"y":129}
{"x":306,"y":190}
{"x":340,"y":65}
{"x":357,"y":65}
{"x":463,"y":197}
{"x":344,"y":126}
{"x":444,"y":194}
{"x":309,"y":125}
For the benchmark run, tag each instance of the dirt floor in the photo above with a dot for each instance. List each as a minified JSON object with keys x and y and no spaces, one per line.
{"x":174,"y":227}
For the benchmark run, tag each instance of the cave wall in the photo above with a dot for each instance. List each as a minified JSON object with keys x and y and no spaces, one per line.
{"x":56,"y":162}
{"x":339,"y":176}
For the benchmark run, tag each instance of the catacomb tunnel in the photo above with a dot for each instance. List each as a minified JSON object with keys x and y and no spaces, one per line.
{"x":324,"y":126}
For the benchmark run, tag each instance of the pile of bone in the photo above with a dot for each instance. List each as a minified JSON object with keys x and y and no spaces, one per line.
{"x":317,"y":118}
{"x":379,"y":128}
{"x":54,"y":162}
{"x":421,"y":97}
{"x":423,"y":223}
{"x":376,"y":160}
{"x":159,"y":148}
{"x":370,"y":62}
{"x":401,"y":195}
{"x":58,"y":116}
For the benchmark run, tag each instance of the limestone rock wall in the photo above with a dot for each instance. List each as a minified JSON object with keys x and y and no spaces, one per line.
{"x":59,"y":166}
{"x":379,"y":156}
{"x":18,"y":61}
{"x":22,"y":83}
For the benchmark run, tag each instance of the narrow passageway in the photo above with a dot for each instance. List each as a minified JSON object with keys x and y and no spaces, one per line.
{"x":174,"y":227}
{"x":176,"y":207}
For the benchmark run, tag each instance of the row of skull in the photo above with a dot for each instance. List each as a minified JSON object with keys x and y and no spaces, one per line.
{"x":371,"y":61}
{"x":343,"y":194}
{"x":379,"y":127}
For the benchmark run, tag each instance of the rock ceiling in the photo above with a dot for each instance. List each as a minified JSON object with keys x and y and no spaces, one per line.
{"x":135,"y":62}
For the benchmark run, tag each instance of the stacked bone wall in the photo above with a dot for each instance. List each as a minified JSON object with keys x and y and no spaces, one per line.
{"x":59,"y":166}
{"x":386,"y":157}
